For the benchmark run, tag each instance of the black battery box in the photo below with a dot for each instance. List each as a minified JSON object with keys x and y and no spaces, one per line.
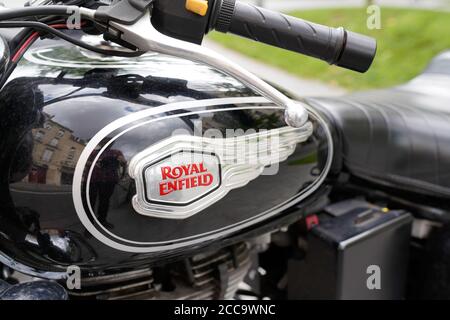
{"x":357,"y":251}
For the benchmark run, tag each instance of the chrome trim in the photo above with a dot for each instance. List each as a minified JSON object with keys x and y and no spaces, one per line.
{"x":144,"y":36}
{"x":13,"y":264}
{"x":86,"y":12}
{"x":143,"y":114}
{"x":234,"y":173}
{"x":133,"y":246}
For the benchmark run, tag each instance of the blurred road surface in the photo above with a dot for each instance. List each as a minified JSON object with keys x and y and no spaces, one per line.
{"x":13,"y":3}
{"x":285,"y":80}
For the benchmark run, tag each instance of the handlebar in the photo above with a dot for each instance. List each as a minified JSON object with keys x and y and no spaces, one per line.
{"x":334,"y":45}
{"x":190,"y":20}
{"x":159,"y":25}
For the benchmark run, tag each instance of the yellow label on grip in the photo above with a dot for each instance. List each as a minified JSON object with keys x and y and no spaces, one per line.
{"x":199,"y":7}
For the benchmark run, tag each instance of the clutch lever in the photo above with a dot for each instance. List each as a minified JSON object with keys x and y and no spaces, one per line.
{"x":144,"y":36}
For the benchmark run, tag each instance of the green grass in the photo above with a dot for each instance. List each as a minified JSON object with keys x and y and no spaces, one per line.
{"x":407,"y":40}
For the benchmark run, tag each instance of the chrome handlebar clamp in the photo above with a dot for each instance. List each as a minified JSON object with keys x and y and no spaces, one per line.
{"x":145,"y":37}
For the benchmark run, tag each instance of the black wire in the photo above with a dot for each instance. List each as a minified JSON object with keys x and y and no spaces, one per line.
{"x":24,"y":34}
{"x":7,"y":73}
{"x":19,"y":38}
{"x":74,"y":3}
{"x":62,"y":35}
{"x":37,"y":11}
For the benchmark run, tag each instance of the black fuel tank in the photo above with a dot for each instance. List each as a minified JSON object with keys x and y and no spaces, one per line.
{"x":99,"y":160}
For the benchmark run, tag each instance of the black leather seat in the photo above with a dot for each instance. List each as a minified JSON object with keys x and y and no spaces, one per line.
{"x":399,"y":137}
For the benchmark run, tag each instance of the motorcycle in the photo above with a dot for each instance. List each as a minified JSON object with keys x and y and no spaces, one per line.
{"x":137,"y":164}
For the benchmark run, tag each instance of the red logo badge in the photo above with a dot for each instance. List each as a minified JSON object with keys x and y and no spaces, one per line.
{"x":183,"y":177}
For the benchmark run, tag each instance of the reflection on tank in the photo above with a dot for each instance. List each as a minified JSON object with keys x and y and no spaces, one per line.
{"x":59,"y":102}
{"x":45,"y":153}
{"x":109,"y":169}
{"x":55,"y":152}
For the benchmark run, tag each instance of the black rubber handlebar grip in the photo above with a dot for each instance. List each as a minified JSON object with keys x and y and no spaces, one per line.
{"x":333,"y":45}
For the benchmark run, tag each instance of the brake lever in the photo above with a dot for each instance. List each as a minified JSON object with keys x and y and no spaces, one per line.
{"x":144,"y":36}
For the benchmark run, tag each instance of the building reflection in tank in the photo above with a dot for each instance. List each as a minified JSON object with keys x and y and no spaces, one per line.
{"x":43,"y":165}
{"x":55,"y":153}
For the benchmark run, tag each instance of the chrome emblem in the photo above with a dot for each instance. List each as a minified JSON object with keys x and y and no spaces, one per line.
{"x":180,"y":176}
{"x":181,"y":181}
